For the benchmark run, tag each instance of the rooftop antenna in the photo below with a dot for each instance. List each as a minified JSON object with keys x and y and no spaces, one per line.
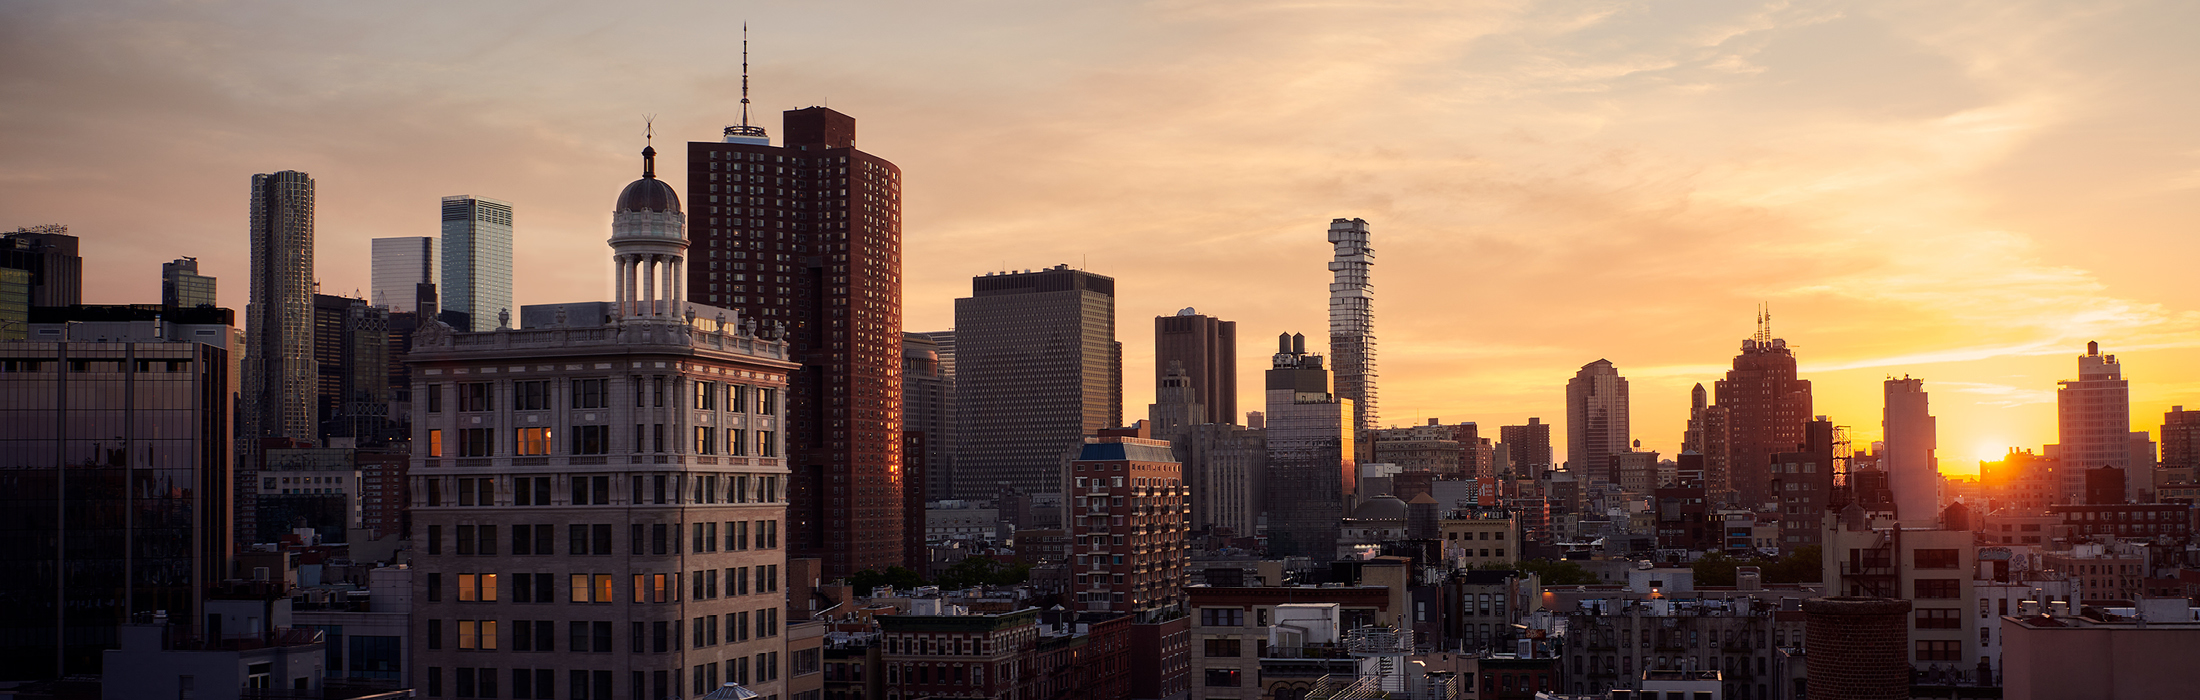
{"x":744,"y":129}
{"x":1764,"y":323}
{"x":649,"y":151}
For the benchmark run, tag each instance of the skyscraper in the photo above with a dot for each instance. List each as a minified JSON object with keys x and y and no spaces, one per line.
{"x":1529,"y":447}
{"x":181,"y":285}
{"x":15,"y":303}
{"x":401,"y":265}
{"x":278,"y":390}
{"x":351,"y":355}
{"x":1206,"y":349}
{"x":1912,"y":471}
{"x":806,"y":236}
{"x":1136,"y":482}
{"x":613,"y":494}
{"x":1037,"y":369}
{"x":2181,"y":441}
{"x":1310,"y":454}
{"x":928,"y":407}
{"x":1766,"y":410}
{"x":1596,"y":417}
{"x":2093,"y":418}
{"x":477,"y":261}
{"x":1352,"y":325}
{"x":48,"y":252}
{"x":1708,"y":435}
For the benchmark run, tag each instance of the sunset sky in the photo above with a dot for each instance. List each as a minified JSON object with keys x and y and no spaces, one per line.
{"x":1960,"y":192}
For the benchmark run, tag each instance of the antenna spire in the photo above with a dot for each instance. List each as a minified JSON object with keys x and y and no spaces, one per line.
{"x":744,"y":130}
{"x":744,"y":74}
{"x":1764,"y":322}
{"x":649,"y":150}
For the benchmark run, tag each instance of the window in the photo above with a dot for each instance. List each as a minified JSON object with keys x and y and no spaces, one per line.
{"x":1939,"y":650}
{"x":592,"y":539}
{"x":534,"y":635}
{"x":532,"y":395}
{"x":477,"y":635}
{"x":1223,"y":647}
{"x":531,"y":441}
{"x":767,"y":400}
{"x":590,"y":588}
{"x":473,"y":491}
{"x":592,"y":490}
{"x":530,"y":491}
{"x":1940,"y":618}
{"x":737,"y":398}
{"x":765,"y":447}
{"x":1223,"y":678}
{"x":477,"y":588}
{"x":737,"y":442}
{"x":1936,"y":558}
{"x":435,"y":535}
{"x":703,"y":442}
{"x":1222,"y":617}
{"x":706,"y":395}
{"x":588,"y":637}
{"x":1938,"y":588}
{"x":534,"y":588}
{"x":476,"y":442}
{"x":435,"y":398}
{"x":531,"y":539}
{"x":590,"y":393}
{"x":435,"y":442}
{"x":473,"y":396}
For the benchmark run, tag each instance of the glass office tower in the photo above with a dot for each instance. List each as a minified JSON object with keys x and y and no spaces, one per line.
{"x":477,"y":262}
{"x":401,"y":265}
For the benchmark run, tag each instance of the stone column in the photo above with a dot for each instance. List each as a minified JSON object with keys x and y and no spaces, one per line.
{"x":649,"y":285}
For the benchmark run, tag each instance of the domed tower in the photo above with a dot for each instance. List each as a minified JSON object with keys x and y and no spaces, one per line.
{"x":649,"y":246}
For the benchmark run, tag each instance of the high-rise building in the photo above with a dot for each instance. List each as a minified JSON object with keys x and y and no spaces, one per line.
{"x":351,"y":355}
{"x":1206,"y":348}
{"x":1135,"y":483}
{"x":279,"y":386}
{"x":401,"y":265}
{"x":1596,"y":417}
{"x":477,"y":261}
{"x":2093,"y":418}
{"x":1804,"y":479}
{"x":1310,"y":454}
{"x":1708,"y":436}
{"x":806,"y":236}
{"x":115,"y":442}
{"x":2181,"y":441}
{"x":1352,"y":325}
{"x":1529,"y":446}
{"x":1037,"y":369}
{"x":182,"y":286}
{"x":48,"y":252}
{"x":928,"y":407}
{"x":1766,"y":409}
{"x":612,"y":492}
{"x":1912,"y":470}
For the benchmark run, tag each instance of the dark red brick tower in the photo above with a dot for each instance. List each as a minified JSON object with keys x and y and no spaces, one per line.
{"x":806,"y":236}
{"x":1859,"y":647}
{"x":1767,"y":409}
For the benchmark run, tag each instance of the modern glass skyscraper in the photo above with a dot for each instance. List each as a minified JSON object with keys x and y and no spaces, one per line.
{"x":1037,"y":370}
{"x":1352,"y":326}
{"x":278,"y":364}
{"x":182,"y":286}
{"x":401,"y":265}
{"x":477,"y":261}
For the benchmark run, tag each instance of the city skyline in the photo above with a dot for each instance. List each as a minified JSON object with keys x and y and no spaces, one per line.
{"x":1933,"y":206}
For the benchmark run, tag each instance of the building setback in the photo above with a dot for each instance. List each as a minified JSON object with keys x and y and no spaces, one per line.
{"x":2093,"y":419}
{"x":806,"y":236}
{"x":1310,"y":455}
{"x":1207,"y":348}
{"x":1529,"y":446}
{"x":1766,"y":407}
{"x":612,"y":492}
{"x":1037,"y":369}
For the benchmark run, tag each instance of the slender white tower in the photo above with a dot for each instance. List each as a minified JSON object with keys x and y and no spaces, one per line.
{"x":1912,"y":471}
{"x":1352,"y":325}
